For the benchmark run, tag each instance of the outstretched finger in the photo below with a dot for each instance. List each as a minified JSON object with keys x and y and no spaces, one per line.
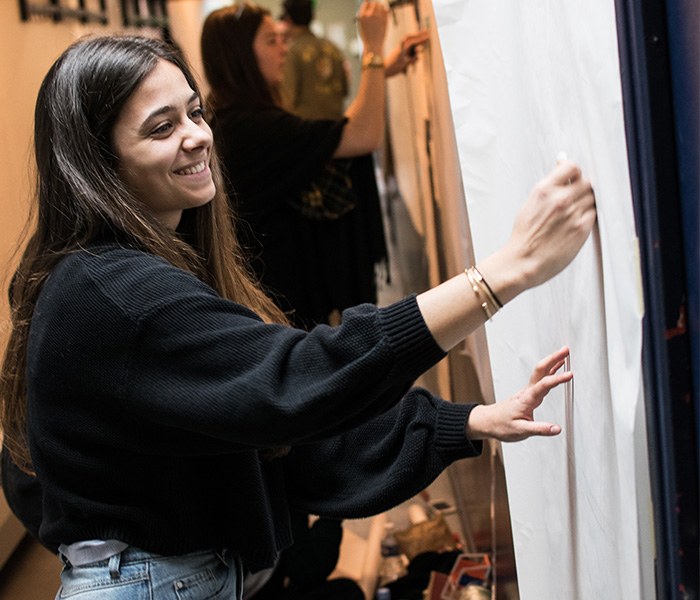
{"x":557,"y":366}
{"x":549,"y":382}
{"x":527,"y":429}
{"x":549,"y":364}
{"x":543,"y":429}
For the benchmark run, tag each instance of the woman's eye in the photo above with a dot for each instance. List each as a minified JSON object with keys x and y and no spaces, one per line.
{"x":162,"y":129}
{"x":197,"y":113}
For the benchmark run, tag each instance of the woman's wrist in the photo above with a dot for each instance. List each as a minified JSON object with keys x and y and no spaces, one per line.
{"x":373,"y":49}
{"x":372,"y":60}
{"x":477,"y":426}
{"x":506,"y":274}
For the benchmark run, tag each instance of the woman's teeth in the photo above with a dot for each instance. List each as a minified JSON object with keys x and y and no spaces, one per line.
{"x":198,"y":168}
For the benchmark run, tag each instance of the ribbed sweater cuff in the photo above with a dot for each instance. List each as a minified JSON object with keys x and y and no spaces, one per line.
{"x":414,"y":345}
{"x":451,"y":436}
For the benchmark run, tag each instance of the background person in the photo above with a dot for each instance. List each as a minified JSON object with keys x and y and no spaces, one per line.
{"x":279,"y":164}
{"x":315,"y":81}
{"x":171,"y":416}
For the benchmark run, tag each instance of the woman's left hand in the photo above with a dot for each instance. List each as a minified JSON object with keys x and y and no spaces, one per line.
{"x":406,"y":53}
{"x":513,"y":420}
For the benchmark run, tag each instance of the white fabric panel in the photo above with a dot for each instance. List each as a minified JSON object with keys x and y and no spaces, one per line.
{"x":528,"y":80}
{"x":407,"y":112}
{"x":427,"y":172}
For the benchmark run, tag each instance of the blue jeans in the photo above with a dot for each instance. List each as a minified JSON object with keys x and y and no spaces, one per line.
{"x":138,"y":575}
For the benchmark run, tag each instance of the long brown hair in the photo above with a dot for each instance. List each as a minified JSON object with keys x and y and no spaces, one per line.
{"x":81,"y":197}
{"x":230,"y":64}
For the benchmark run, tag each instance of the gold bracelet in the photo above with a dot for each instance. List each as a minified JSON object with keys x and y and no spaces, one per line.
{"x":485,"y":290}
{"x":490,"y":306}
{"x":480,"y":278}
{"x":474,"y":285}
{"x":371,"y":60}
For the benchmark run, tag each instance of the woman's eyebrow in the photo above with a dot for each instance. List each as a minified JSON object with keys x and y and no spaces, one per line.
{"x":165,"y":109}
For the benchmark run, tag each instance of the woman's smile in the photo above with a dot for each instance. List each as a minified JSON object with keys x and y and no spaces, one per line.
{"x":164,"y":145}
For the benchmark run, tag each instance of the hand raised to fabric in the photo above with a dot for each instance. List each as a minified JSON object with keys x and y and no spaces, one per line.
{"x":549,"y":230}
{"x":554,"y":222}
{"x":406,"y":53}
{"x":372,"y":18}
{"x":513,"y":420}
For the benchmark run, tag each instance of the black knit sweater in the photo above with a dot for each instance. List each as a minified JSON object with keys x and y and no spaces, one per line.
{"x":151,"y":399}
{"x":310,"y":267}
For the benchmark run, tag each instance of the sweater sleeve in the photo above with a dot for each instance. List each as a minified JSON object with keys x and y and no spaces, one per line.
{"x":381,"y":463}
{"x":166,"y":352}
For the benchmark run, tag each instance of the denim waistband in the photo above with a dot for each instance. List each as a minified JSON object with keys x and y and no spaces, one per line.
{"x":87,"y":552}
{"x":136,"y":573}
{"x":91,"y":551}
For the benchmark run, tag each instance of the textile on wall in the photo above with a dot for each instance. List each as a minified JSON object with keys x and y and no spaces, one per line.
{"x":421,"y":136}
{"x":526,"y":82}
{"x":423,"y":147}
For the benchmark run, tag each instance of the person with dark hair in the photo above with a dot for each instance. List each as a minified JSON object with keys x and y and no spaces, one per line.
{"x":303,"y":569}
{"x":304,"y":187}
{"x":298,"y":12}
{"x":315,"y":81}
{"x":171,"y":416}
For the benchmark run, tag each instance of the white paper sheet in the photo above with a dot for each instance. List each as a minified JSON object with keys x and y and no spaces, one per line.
{"x":528,"y":80}
{"x":421,"y":132}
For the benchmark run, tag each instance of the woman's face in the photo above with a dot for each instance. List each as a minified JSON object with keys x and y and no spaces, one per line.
{"x":164,"y":145}
{"x":270,"y":48}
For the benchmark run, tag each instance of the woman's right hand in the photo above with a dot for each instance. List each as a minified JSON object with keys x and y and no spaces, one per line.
{"x":554,"y":222}
{"x":364,"y":130}
{"x":372,"y":18}
{"x":549,"y":230}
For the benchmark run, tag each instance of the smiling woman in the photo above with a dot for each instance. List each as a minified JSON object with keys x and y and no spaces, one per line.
{"x":164,"y":149}
{"x":170,"y":415}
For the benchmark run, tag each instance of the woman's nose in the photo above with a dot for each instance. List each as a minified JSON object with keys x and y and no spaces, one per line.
{"x":196,"y":136}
